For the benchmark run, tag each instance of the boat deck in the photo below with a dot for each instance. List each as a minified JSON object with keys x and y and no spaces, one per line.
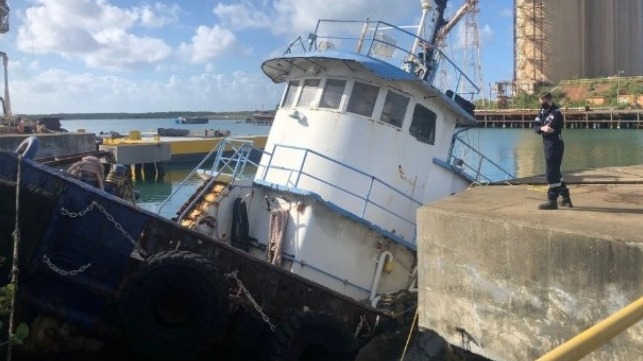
{"x":520,"y":280}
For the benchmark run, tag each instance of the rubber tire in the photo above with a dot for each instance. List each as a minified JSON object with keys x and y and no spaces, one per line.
{"x":174,"y":307}
{"x":240,"y":234}
{"x":29,"y":147}
{"x":309,"y":336}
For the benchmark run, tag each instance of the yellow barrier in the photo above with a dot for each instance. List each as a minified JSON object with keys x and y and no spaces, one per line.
{"x":134,"y":135}
{"x":595,"y":336}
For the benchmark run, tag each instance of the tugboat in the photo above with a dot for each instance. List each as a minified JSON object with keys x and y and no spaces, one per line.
{"x":307,"y":253}
{"x":358,"y":143}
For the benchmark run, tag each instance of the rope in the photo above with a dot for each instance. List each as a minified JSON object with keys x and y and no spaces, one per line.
{"x":278,"y":222}
{"x":408,"y":339}
{"x":14,"y":266}
{"x":89,"y":168}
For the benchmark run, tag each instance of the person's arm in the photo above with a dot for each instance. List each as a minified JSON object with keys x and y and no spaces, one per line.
{"x":537,"y":124}
{"x":553,"y":124}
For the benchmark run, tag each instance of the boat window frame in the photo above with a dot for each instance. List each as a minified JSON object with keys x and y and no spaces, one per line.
{"x":289,"y":95}
{"x":341,"y":94}
{"x":416,"y":125}
{"x":313,"y":92}
{"x":398,"y":123}
{"x":352,"y":107}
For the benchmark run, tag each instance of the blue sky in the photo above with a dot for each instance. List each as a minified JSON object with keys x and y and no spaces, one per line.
{"x":196,"y":55}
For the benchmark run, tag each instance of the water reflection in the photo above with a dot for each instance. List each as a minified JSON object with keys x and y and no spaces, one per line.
{"x":519,"y":151}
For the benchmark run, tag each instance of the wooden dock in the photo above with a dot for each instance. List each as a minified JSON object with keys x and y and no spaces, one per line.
{"x":574,"y":118}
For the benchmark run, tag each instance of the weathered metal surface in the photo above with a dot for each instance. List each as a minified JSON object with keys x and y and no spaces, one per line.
{"x":71,"y":229}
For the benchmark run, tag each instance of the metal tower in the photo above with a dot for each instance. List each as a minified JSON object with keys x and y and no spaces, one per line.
{"x":471,"y":54}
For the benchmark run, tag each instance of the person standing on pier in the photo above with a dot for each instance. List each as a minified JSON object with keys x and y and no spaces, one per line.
{"x":549,"y":123}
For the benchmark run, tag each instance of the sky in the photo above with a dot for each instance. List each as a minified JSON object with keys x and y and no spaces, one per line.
{"x":94,"y":56}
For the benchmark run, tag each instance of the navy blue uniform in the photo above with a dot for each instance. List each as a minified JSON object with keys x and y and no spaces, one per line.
{"x":554,"y":148}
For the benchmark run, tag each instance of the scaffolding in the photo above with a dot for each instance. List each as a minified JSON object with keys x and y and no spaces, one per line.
{"x":531,"y":49}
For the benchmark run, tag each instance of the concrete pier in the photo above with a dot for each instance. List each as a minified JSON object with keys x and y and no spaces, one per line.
{"x":53,"y":144}
{"x":511,"y":282}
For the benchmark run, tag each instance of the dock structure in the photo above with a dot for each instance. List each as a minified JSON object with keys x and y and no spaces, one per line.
{"x":574,"y":118}
{"x":53,"y":145}
{"x":511,"y":282}
{"x":147,"y":154}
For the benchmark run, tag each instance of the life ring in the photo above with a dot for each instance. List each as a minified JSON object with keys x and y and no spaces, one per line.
{"x":312,"y":336}
{"x":174,"y":306}
{"x":28,"y":147}
{"x":240,"y":234}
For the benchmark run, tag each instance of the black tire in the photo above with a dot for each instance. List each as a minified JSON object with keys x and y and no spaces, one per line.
{"x":240,"y":235}
{"x":312,"y":336}
{"x":174,"y":306}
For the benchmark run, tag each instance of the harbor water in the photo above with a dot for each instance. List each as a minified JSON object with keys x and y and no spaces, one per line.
{"x":517,"y":150}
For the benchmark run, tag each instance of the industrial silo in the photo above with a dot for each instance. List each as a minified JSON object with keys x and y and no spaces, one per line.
{"x":575,"y":39}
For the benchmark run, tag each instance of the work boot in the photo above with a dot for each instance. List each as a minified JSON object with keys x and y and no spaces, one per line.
{"x":550,"y":204}
{"x":566,"y":202}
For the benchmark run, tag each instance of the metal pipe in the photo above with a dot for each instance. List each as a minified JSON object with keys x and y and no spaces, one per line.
{"x":378,"y":273}
{"x":595,"y":336}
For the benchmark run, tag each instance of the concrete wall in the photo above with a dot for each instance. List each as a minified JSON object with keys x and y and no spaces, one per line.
{"x":53,"y":144}
{"x":578,"y":39}
{"x":511,"y":283}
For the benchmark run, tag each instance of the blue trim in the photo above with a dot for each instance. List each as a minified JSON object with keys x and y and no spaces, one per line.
{"x":339,"y":210}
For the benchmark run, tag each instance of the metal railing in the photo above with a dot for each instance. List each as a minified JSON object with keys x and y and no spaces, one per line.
{"x":365,"y":198}
{"x":474,"y":165}
{"x":235,"y":166}
{"x":385,"y":42}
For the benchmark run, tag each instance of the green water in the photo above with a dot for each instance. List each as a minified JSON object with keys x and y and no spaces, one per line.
{"x":519,"y":151}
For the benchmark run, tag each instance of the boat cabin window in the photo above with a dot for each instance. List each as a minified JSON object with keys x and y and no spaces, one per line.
{"x":423,"y":124}
{"x":332,"y":95}
{"x":363,"y":99}
{"x":291,"y":92}
{"x":394,"y":109}
{"x":308,"y":93}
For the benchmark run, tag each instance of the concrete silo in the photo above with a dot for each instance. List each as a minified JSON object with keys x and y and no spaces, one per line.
{"x":573,"y":39}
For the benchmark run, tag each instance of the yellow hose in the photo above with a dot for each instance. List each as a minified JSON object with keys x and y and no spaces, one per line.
{"x":595,"y":336}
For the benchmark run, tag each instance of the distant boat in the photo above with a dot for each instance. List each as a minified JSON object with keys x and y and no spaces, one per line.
{"x":192,"y":120}
{"x":263,"y":118}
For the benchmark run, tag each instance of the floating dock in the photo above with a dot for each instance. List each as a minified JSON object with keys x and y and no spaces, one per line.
{"x":511,"y":282}
{"x":574,"y":118}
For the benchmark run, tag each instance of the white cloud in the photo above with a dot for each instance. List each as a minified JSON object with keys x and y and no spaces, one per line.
{"x":207,"y":44}
{"x":296,"y":16}
{"x":95,"y":32}
{"x":158,"y":15}
{"x":54,"y":88}
{"x":242,"y":16}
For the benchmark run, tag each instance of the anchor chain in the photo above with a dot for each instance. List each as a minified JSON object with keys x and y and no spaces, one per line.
{"x":254,"y":303}
{"x":63,"y":272}
{"x":64,"y":211}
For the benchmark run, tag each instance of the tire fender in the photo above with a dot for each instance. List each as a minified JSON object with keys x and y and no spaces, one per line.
{"x":312,"y":335}
{"x":174,"y":306}
{"x":240,"y":234}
